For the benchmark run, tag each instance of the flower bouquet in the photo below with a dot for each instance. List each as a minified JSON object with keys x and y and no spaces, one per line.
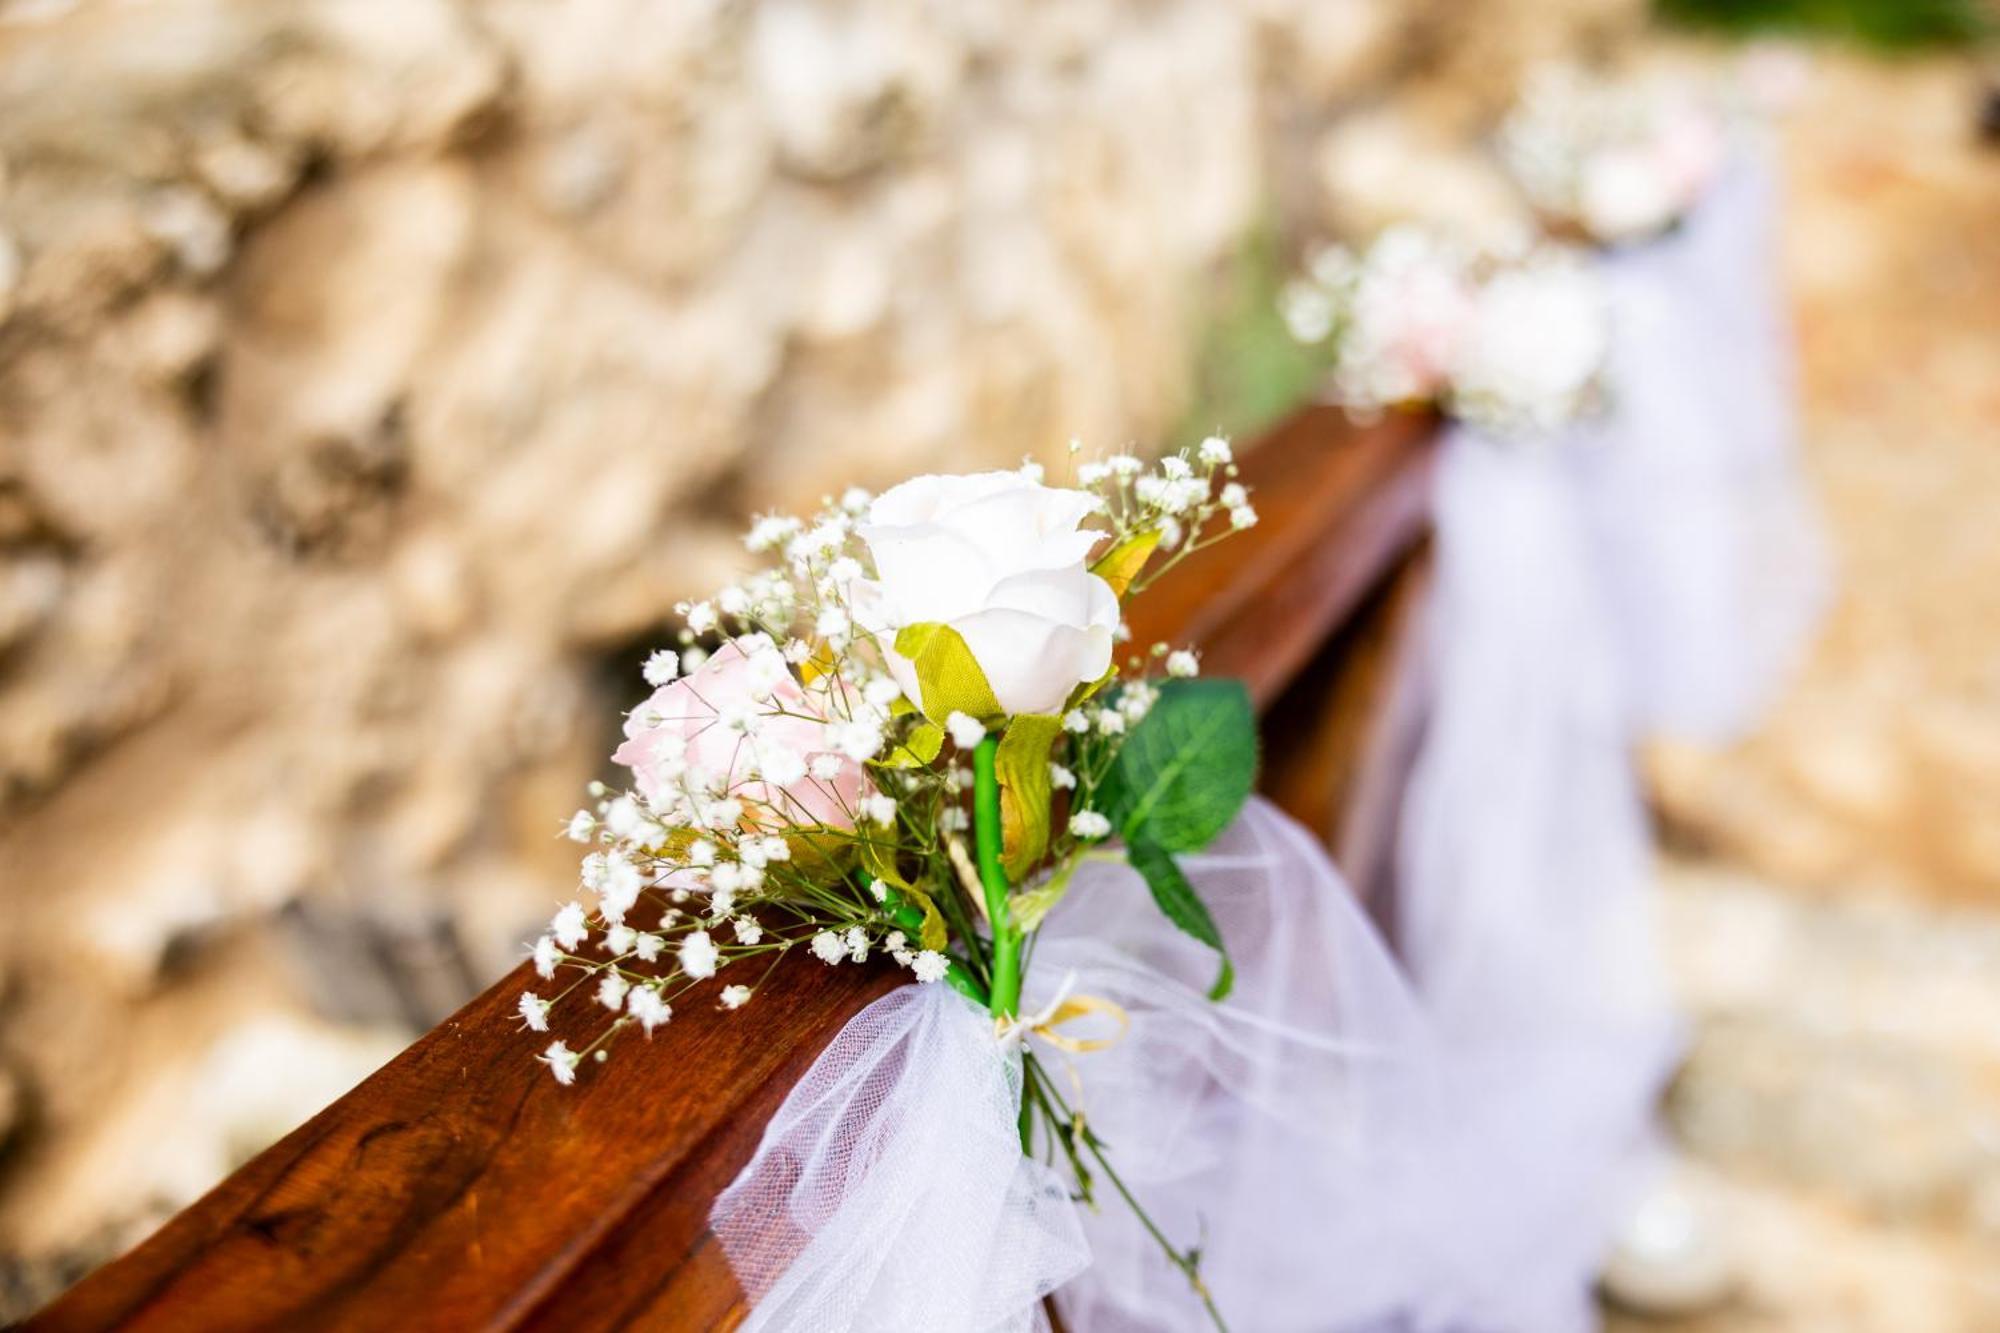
{"x":1707,"y":541}
{"x":1511,"y":340}
{"x":906,"y":737}
{"x":1612,"y":161}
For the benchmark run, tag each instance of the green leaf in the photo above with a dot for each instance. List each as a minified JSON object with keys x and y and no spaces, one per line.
{"x":1177,"y":899}
{"x":1022,"y":765}
{"x":948,"y":675}
{"x":1185,"y":771}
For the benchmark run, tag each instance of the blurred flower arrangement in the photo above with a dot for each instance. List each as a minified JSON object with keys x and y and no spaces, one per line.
{"x":1511,"y":339}
{"x":913,"y":731}
{"x":1612,"y":160}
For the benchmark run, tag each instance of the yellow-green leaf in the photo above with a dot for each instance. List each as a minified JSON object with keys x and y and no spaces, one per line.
{"x":1022,"y":765}
{"x":878,"y":857}
{"x":1029,"y":906}
{"x":948,"y":675}
{"x":917,"y":749}
{"x":933,"y":935}
{"x":817,"y":851}
{"x":674,"y":845}
{"x":1081,"y":693}
{"x":1122,"y":563}
{"x":820,"y":663}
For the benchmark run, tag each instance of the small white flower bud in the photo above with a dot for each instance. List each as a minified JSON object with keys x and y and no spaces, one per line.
{"x":966,"y":730}
{"x":662,"y":667}
{"x":569,"y":926}
{"x":697,"y":955}
{"x":611,"y":991}
{"x":562,"y":1062}
{"x":1089,"y":825}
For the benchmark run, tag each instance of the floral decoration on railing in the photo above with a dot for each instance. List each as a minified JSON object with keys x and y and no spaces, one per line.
{"x":1613,"y":160}
{"x":902,"y":739}
{"x":1509,"y":338}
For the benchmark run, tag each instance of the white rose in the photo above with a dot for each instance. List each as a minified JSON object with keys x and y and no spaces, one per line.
{"x":1538,"y":340}
{"x":1626,"y":195}
{"x":1001,"y":560}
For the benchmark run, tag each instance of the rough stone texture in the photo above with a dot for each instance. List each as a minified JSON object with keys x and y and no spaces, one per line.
{"x":1883,"y":765}
{"x":1837,"y":940}
{"x":1842,"y":1088}
{"x":374,"y":374}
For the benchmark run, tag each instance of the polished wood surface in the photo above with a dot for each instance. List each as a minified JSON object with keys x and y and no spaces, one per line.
{"x":460,"y":1188}
{"x":1339,"y":506}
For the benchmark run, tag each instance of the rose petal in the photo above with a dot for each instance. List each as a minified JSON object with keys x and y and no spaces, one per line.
{"x":923,"y":499}
{"x":928,"y":573}
{"x":1033,"y":527}
{"x":1032,"y":662}
{"x":1072,"y":596}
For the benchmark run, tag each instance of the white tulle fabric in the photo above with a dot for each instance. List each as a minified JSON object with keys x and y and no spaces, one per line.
{"x":1652,"y":570}
{"x":1523,"y":880}
{"x":890,"y":1194}
{"x":1296,"y":1127}
{"x":1710,"y":547}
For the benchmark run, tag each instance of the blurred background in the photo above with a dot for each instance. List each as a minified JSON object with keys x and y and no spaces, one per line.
{"x":375,"y":374}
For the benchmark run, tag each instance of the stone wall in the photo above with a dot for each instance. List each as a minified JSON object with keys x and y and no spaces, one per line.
{"x":1882,"y":766}
{"x":375,"y":373}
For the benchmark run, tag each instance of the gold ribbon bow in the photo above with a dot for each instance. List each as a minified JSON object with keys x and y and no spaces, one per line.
{"x":1065,"y":1008}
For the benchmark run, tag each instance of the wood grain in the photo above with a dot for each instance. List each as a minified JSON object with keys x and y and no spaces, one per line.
{"x":460,"y":1188}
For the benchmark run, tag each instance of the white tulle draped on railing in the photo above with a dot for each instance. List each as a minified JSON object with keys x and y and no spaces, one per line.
{"x":1713,"y":561}
{"x":1293,"y":1129}
{"x":1654,"y":570}
{"x":890,"y":1192}
{"x":1524,"y":910}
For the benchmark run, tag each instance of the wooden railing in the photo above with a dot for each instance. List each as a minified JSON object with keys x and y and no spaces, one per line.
{"x":460,"y":1188}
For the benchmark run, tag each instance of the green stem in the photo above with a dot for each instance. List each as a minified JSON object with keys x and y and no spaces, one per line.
{"x":1039,"y":1085}
{"x":1005,"y":999}
{"x":911,"y":918}
{"x":959,"y":979}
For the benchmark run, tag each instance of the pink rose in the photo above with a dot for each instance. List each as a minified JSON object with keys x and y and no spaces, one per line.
{"x":741,"y":723}
{"x":1436,"y":308}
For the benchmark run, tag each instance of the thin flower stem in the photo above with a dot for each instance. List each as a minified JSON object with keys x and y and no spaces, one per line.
{"x":960,"y":979}
{"x":1189,"y":1261}
{"x":1196,"y":542}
